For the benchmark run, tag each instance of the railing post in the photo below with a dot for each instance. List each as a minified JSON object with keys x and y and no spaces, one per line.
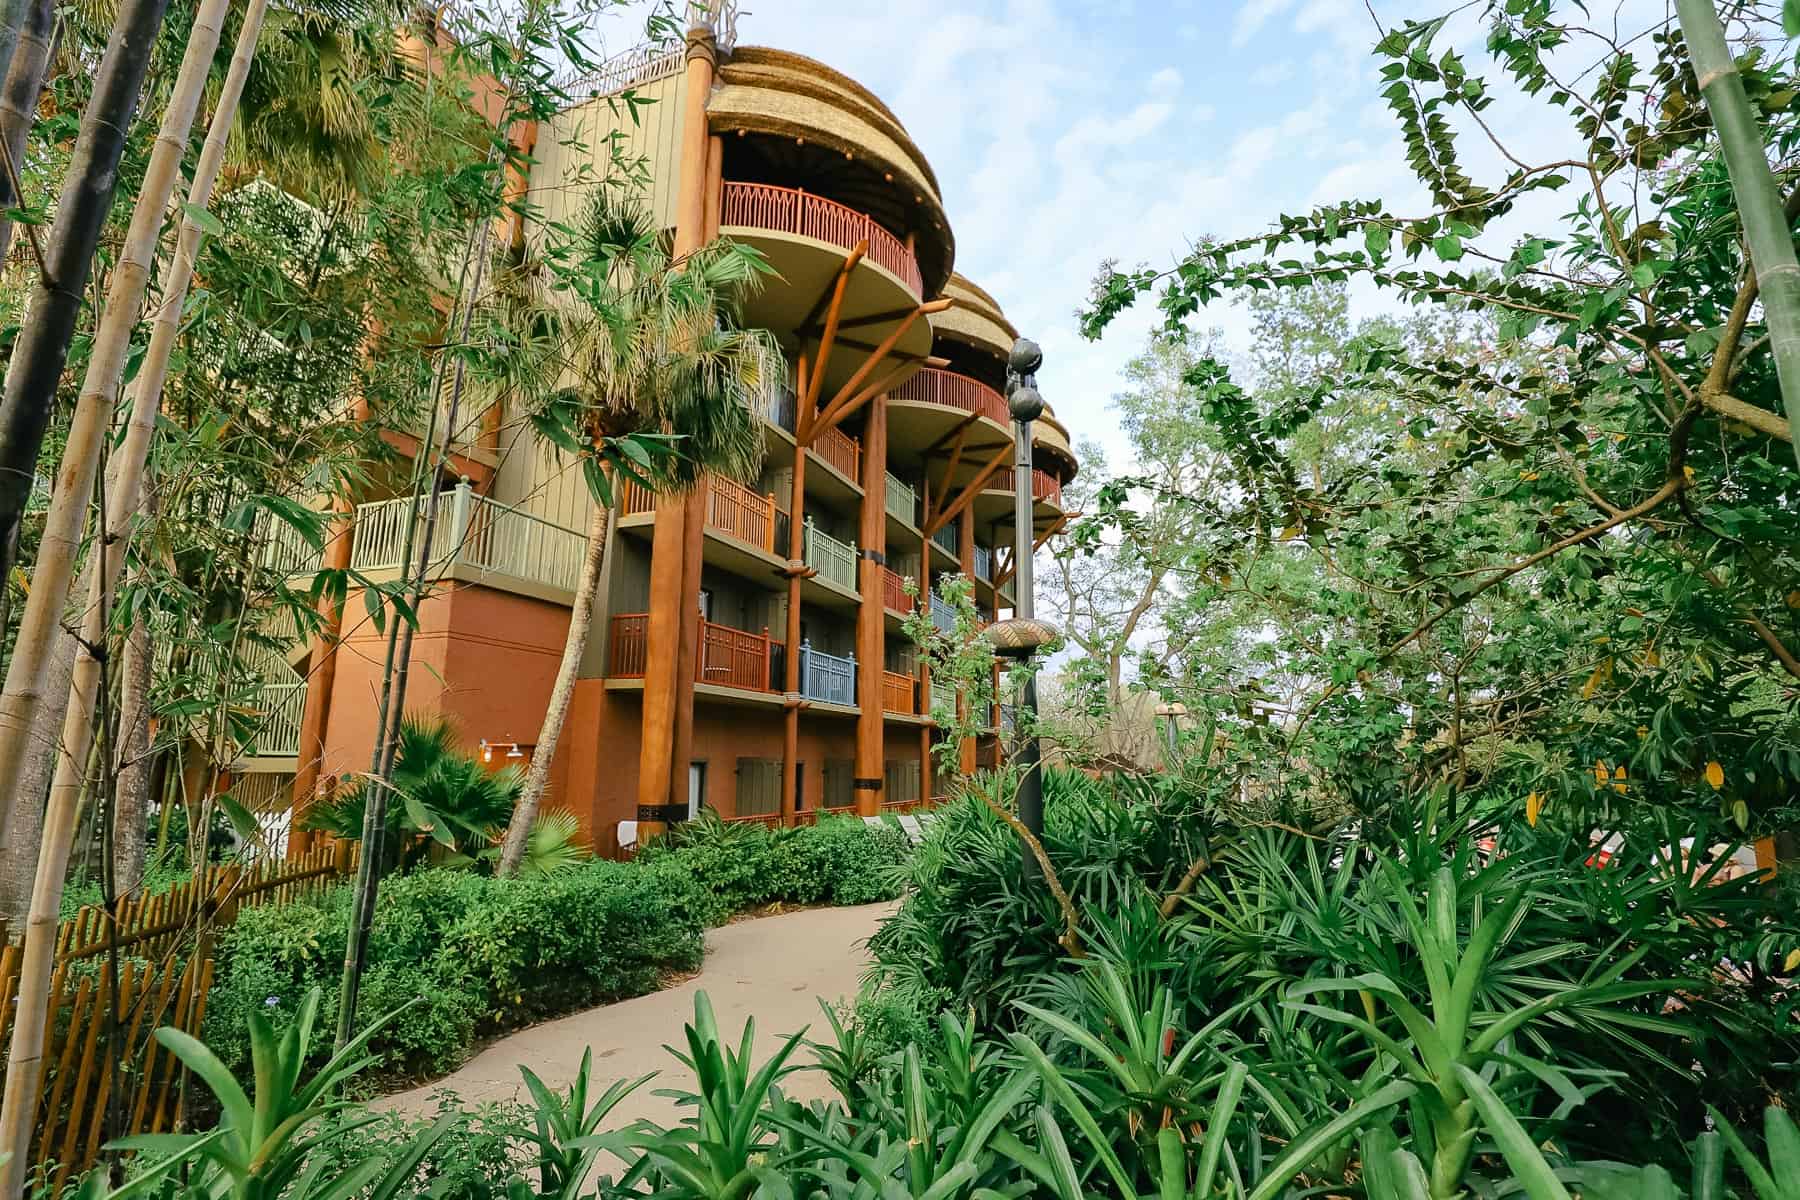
{"x":459,"y":518}
{"x":807,"y":546}
{"x":769,"y":526}
{"x":767,"y":657}
{"x":852,"y":699}
{"x":805,"y":663}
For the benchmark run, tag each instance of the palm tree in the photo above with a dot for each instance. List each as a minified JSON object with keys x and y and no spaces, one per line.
{"x":632,"y":358}
{"x":446,"y":798}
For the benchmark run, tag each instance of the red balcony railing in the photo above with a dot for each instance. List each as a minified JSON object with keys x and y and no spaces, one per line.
{"x":630,"y":646}
{"x":728,"y":657}
{"x":1044,"y":485}
{"x":899,"y":693}
{"x":735,"y":509}
{"x":789,"y":210}
{"x":841,"y":451}
{"x":733,"y":658}
{"x":933,"y":386}
{"x":893,"y":591}
{"x":730,"y":508}
{"x":635,"y":500}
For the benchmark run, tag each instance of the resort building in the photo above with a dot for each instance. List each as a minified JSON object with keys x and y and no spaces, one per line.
{"x":747,"y":652}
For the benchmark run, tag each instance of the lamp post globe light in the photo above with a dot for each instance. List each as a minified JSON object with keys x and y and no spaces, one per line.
{"x":1172,"y":714}
{"x":1023,"y":636}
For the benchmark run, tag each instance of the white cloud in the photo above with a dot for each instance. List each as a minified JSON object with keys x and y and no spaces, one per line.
{"x":1273,"y":73}
{"x":1253,"y":16}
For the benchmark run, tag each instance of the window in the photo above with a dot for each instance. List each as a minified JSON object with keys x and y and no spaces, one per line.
{"x":840,"y":775}
{"x":758,"y":787}
{"x":900,"y":781}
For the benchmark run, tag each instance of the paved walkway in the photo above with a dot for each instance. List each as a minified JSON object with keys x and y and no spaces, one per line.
{"x":771,"y":968}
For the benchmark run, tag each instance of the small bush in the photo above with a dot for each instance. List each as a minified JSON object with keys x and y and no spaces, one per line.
{"x":840,"y":860}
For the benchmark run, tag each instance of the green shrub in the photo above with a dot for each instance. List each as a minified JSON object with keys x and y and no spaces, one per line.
{"x":839,"y":860}
{"x":472,"y":954}
{"x":607,"y":931}
{"x":467,"y":952}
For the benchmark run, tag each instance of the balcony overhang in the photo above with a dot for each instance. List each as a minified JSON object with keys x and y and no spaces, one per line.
{"x":818,"y":123}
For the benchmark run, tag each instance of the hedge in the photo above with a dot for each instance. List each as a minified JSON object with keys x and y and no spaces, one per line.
{"x":473,"y":955}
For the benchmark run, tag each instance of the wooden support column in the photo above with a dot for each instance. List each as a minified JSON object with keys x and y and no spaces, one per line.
{"x":673,"y":609}
{"x":687,"y":667}
{"x":871,"y":619}
{"x":965,"y":550}
{"x":694,"y":551}
{"x":925,"y":796}
{"x":321,"y":680}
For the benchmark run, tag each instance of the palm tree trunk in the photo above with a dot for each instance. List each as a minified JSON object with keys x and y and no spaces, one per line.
{"x":55,"y":303}
{"x":105,"y":370}
{"x":129,"y":829}
{"x":556,"y":713}
{"x":1759,"y":201}
{"x":63,"y":524}
{"x":24,"y":77}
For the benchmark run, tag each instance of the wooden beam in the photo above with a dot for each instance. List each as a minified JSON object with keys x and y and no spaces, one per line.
{"x":967,"y":496}
{"x":834,"y":414}
{"x":1056,"y":526}
{"x":961,"y":428}
{"x":809,"y":324}
{"x":962,"y":433}
{"x":892,"y":314}
{"x":810,"y":401}
{"x":880,"y":354}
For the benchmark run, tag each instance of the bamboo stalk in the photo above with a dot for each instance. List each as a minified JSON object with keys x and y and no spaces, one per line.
{"x":12,"y":16}
{"x":62,"y":534}
{"x":42,"y":350}
{"x":1759,"y":202}
{"x":63,"y":524}
{"x":19,"y":101}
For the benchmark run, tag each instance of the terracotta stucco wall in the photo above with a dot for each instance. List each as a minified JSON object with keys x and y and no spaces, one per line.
{"x":484,"y":658}
{"x":602,"y":759}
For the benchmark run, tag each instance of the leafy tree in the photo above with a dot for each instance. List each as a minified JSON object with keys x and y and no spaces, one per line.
{"x":1537,"y":543}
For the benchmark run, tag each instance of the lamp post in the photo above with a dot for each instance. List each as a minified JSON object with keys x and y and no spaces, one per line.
{"x":1023,"y":636}
{"x":1173,"y":714}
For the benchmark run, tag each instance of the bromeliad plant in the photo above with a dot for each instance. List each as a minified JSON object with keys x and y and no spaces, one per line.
{"x":1455,"y":1049}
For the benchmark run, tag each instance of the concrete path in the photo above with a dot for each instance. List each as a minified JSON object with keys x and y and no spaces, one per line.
{"x":773,"y":969}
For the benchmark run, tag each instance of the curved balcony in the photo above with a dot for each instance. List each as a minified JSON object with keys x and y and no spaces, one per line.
{"x":1045,"y":487}
{"x":930,"y":385}
{"x":790,"y":210}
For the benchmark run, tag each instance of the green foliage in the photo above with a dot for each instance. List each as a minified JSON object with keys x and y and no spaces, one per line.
{"x":1544,"y":974}
{"x":744,"y":865}
{"x":1543,"y":522}
{"x":441,"y":798}
{"x":472,"y":954}
{"x":1101,"y":1099}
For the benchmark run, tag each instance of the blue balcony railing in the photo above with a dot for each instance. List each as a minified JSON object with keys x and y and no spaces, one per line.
{"x":826,"y":677}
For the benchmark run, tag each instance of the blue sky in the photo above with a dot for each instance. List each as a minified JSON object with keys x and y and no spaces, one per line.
{"x":1067,"y":132}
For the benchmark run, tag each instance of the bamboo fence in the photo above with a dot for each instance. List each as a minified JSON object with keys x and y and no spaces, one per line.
{"x":104,"y":1074}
